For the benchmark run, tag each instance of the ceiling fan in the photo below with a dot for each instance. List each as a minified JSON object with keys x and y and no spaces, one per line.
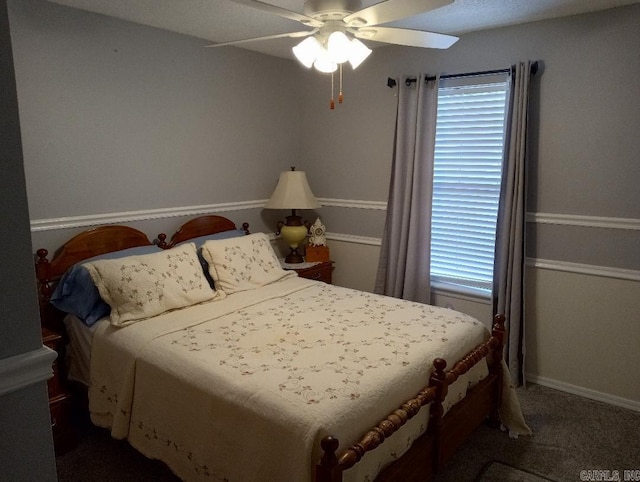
{"x":338,"y":25}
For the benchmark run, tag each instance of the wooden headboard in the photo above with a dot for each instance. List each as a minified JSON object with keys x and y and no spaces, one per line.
{"x":200,"y":226}
{"x":106,"y":239}
{"x":90,"y":243}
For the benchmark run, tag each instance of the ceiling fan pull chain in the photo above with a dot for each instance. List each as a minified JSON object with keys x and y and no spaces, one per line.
{"x":332,"y":104}
{"x":340,"y":97}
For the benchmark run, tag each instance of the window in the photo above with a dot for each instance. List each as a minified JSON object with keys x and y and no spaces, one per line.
{"x":469,"y":145}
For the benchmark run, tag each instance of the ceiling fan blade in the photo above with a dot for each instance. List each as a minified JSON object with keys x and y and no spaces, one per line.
{"x":403,"y":36}
{"x":268,"y":37}
{"x":392,"y":10}
{"x":281,"y":12}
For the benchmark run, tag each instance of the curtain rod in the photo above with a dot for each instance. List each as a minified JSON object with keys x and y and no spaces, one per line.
{"x":391,"y":82}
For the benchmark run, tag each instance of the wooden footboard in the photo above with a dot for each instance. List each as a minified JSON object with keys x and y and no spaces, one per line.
{"x":445,"y":433}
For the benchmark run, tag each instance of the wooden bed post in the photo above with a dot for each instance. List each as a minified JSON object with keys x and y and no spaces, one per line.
{"x":162,"y":241}
{"x":499,"y":333}
{"x":49,"y":316}
{"x":327,"y":469}
{"x":439,"y":381}
{"x":444,"y":433}
{"x":42,"y":272}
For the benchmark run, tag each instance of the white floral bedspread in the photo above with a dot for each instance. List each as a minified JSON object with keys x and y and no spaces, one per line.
{"x":243,"y":389}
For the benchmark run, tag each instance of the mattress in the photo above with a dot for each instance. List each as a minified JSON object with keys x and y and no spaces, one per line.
{"x":78,"y":350}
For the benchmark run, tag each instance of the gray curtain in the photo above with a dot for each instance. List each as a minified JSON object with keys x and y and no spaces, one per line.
{"x":403,"y":268}
{"x":508,"y":282}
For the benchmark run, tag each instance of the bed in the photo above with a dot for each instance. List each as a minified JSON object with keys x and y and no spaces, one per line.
{"x":267,"y":376}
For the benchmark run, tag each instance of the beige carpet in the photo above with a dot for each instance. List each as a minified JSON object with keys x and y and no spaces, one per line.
{"x":570,"y":434}
{"x":499,"y":472}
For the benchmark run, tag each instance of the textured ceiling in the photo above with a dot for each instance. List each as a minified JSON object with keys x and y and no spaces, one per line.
{"x":223,"y":20}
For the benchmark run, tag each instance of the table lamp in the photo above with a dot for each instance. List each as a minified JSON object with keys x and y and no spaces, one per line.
{"x":292,"y":192}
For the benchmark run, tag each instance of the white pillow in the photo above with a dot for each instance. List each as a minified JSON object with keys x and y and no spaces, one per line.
{"x":139,"y":287}
{"x":244,"y":263}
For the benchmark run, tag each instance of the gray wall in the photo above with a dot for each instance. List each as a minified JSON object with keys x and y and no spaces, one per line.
{"x":26,"y":447}
{"x":584,"y":141}
{"x":119,"y":117}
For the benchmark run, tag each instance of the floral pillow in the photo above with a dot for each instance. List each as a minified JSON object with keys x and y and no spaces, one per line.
{"x":76,"y":292}
{"x":139,"y":287}
{"x":245,"y":263}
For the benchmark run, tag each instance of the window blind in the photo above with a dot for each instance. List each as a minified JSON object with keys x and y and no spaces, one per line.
{"x":466,"y":185}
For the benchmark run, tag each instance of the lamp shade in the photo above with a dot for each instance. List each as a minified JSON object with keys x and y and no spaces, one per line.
{"x":292,"y":192}
{"x":339,"y":47}
{"x":359,"y":52}
{"x":307,"y":51}
{"x":324,"y":63}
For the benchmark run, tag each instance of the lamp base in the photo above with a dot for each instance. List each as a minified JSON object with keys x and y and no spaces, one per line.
{"x":293,"y":257}
{"x":294,"y":233}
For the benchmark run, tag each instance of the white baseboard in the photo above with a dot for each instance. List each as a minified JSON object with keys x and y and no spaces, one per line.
{"x":584,"y":392}
{"x":20,"y":371}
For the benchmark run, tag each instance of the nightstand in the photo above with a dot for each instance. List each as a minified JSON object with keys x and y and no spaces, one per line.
{"x":319,"y":271}
{"x":59,"y":397}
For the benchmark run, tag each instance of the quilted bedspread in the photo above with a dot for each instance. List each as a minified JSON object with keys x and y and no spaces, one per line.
{"x":243,"y":388}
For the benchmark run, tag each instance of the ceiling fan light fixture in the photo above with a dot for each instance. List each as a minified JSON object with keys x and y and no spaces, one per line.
{"x":307,"y":51}
{"x":324,"y":63}
{"x":335,"y":23}
{"x":339,"y":47}
{"x":359,"y":52}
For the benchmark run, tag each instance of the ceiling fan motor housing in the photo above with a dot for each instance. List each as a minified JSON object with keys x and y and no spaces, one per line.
{"x":331,"y":9}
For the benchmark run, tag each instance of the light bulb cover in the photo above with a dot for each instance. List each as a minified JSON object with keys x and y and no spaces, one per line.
{"x":359,"y":52}
{"x":307,"y":51}
{"x":339,"y":47}
{"x":324,"y":63}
